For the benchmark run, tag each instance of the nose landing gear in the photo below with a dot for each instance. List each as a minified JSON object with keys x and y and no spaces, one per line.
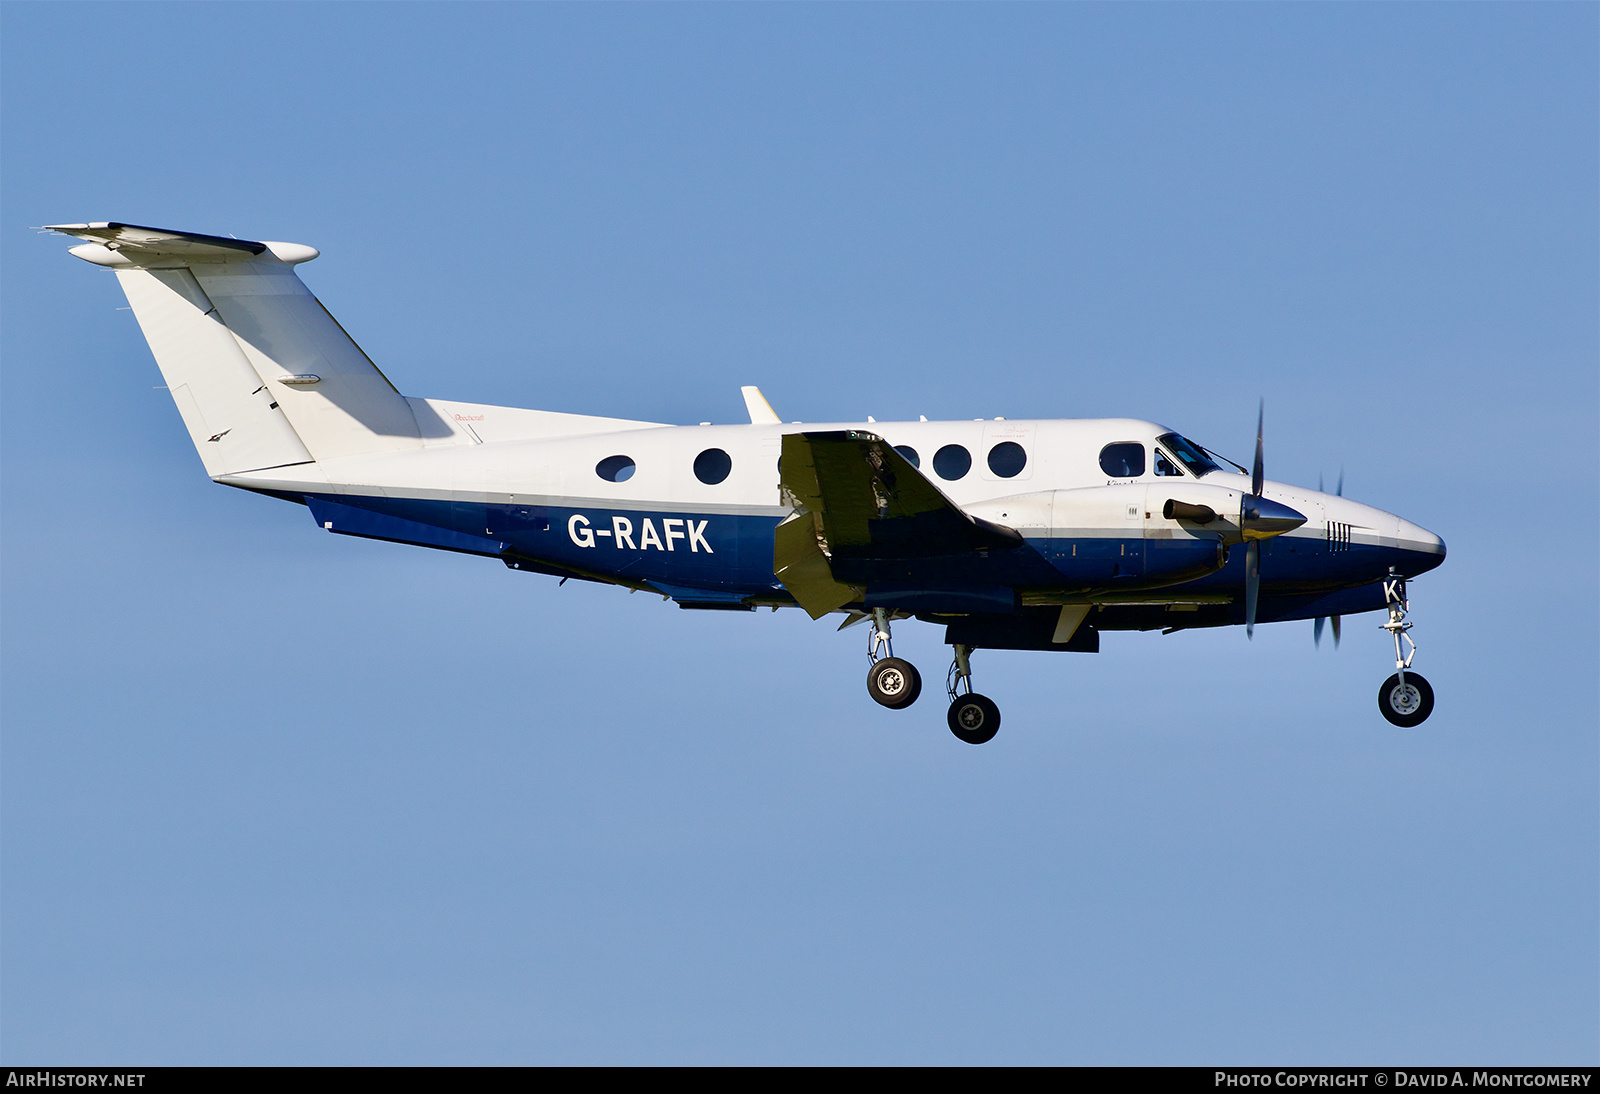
{"x":891,"y":681}
{"x":1405,"y":699}
{"x":973,"y":718}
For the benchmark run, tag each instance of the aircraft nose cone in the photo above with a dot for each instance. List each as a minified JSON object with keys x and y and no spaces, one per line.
{"x":1423,"y":544}
{"x":1260,"y":518}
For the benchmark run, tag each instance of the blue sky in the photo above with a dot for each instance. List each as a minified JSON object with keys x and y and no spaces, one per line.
{"x":281,"y":797}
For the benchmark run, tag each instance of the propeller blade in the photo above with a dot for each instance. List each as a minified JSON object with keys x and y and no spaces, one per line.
{"x":1252,"y":585}
{"x":1320,"y":490}
{"x":1258,"y":520}
{"x":1336,"y":632}
{"x":1339,"y":490}
{"x":1316,"y":631}
{"x":1256,"y":476}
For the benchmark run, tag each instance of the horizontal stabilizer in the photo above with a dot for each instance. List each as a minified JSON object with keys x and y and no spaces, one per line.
{"x":140,"y":243}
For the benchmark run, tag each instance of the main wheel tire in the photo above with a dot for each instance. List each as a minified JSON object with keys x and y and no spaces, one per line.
{"x":894,"y":683}
{"x":974,"y":719}
{"x":1406,"y":706}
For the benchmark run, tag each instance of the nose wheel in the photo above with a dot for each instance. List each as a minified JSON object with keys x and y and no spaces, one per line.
{"x":973,"y":718}
{"x":1405,"y":699}
{"x":1406,"y":702}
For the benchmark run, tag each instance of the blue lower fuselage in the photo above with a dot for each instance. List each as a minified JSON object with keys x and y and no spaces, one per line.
{"x":706,"y":558}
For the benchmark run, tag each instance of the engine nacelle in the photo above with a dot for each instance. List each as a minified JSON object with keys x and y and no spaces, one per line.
{"x":1123,"y":535}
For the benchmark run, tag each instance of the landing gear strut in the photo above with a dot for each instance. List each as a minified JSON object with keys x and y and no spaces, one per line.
{"x":1405,"y":699}
{"x":973,"y":718}
{"x":891,"y":681}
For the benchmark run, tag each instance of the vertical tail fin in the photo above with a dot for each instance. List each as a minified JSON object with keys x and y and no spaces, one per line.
{"x":261,"y":372}
{"x":227,"y":408}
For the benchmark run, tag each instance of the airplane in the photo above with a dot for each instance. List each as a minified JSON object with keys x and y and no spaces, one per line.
{"x":1011,"y":534}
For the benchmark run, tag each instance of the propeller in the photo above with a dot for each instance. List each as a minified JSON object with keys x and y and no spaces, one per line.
{"x":1255,"y":468}
{"x":1260,"y":519}
{"x":1316,"y":628}
{"x":1252,"y":585}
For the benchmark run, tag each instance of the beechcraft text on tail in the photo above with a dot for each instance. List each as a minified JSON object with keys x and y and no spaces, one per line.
{"x":1032,"y":534}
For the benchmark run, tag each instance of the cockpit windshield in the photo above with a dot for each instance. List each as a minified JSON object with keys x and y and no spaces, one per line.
{"x":1189,"y":454}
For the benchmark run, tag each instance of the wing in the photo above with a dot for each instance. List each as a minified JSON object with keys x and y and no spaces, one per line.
{"x":863,"y":513}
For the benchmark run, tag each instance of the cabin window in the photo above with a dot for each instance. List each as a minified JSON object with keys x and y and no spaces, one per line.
{"x":1189,"y":454}
{"x":952,"y":462}
{"x":910,"y":454}
{"x":1007,"y":459}
{"x":1165,"y":466}
{"x":615,"y":468}
{"x":712,"y":466}
{"x":1123,"y":460}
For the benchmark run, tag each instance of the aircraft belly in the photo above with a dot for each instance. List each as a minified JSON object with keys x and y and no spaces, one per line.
{"x":1271,"y":609}
{"x":1014,"y":567}
{"x":701,"y":550}
{"x":1091,"y":560}
{"x":1131,"y":560}
{"x":733,"y":553}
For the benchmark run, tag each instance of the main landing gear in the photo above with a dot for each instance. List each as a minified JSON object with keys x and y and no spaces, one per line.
{"x":973,"y":718}
{"x":891,"y":681}
{"x":1405,"y":699}
{"x":896,"y":683}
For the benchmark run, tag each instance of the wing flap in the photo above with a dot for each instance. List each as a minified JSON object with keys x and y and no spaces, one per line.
{"x":799,"y":563}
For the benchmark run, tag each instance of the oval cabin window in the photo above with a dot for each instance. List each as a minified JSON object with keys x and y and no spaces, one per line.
{"x":712,"y":466}
{"x":1123,"y":460}
{"x":615,"y":468}
{"x":952,"y":462}
{"x":1007,"y":459}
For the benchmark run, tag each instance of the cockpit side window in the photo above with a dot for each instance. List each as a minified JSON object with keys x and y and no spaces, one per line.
{"x":1189,"y":454}
{"x":1165,"y":466}
{"x":1123,"y":460}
